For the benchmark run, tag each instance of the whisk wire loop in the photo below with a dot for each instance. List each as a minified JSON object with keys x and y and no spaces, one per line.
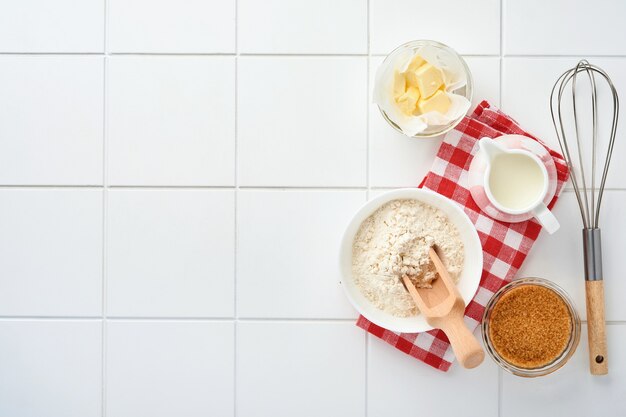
{"x":588,"y":192}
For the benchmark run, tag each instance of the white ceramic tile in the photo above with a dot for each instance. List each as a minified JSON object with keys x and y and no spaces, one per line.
{"x":394,"y":378}
{"x":164,"y":369}
{"x":52,"y":119}
{"x":399,"y":161}
{"x":196,"y":26}
{"x":572,"y":391}
{"x":486,"y":75}
{"x":51,"y":246}
{"x":564,"y":27}
{"x":559,"y":257}
{"x":526,"y":87}
{"x":51,"y":368}
{"x":171,"y":121}
{"x":290,"y":241}
{"x":303,"y":369}
{"x":59,"y":26}
{"x":302,"y":121}
{"x":302,"y":26}
{"x":468,"y":27}
{"x":170,"y":253}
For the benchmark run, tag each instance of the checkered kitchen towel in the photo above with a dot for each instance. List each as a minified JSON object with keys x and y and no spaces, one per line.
{"x":505,"y":245}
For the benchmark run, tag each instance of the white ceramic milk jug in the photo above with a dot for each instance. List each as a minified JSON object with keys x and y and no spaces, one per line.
{"x":516,"y":182}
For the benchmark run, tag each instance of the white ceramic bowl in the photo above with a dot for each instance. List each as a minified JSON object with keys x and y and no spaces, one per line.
{"x":468,"y":281}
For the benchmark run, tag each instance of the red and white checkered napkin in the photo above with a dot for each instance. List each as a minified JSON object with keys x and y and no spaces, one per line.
{"x":505,"y":245}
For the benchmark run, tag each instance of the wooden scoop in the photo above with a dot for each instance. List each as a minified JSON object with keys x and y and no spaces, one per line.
{"x":443,"y":307}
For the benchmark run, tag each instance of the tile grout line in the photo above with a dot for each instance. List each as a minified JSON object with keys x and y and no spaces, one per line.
{"x":51,"y":318}
{"x":233,"y":188}
{"x":559,"y":56}
{"x":105,"y":184}
{"x":501,"y":56}
{"x":3,"y":186}
{"x":297,"y":55}
{"x":367,"y":182}
{"x":500,"y":386}
{"x":188,"y":319}
{"x":236,"y":209}
{"x":208,"y":319}
{"x":501,"y":59}
{"x":367,"y":117}
{"x":52,"y":53}
{"x":193,"y":187}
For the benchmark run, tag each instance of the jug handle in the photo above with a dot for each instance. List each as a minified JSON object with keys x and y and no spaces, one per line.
{"x":546,"y":218}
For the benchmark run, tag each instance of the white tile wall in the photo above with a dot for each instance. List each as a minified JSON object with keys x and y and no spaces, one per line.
{"x":397,"y":382}
{"x":51,"y":368}
{"x":166,"y":368}
{"x":171,"y":120}
{"x":170,"y":253}
{"x":309,"y":135}
{"x":52,"y":118}
{"x":305,"y":369}
{"x":303,"y":27}
{"x":292,"y":220}
{"x":175,"y":177}
{"x":562,"y":27}
{"x":471,"y":27}
{"x":486,"y":78}
{"x":171,"y":26}
{"x":51,"y":246}
{"x":59,"y":26}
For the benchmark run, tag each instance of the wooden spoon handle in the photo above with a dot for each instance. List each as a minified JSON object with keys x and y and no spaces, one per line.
{"x":596,"y":328}
{"x":466,"y":348}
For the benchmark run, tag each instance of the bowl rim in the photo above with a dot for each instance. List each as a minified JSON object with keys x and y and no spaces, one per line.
{"x":469,"y":85}
{"x":470,"y":279}
{"x":563,"y":357}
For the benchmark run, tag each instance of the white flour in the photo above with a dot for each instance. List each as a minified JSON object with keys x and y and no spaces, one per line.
{"x":394,"y":242}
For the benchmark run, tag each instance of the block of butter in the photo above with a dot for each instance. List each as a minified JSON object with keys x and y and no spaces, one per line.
{"x":439,"y":102}
{"x":408,"y":101}
{"x":420,"y":88}
{"x":429,"y":79}
{"x":411,"y":71}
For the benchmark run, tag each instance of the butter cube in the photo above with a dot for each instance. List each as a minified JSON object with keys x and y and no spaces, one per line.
{"x":399,"y":85}
{"x":416,"y":62}
{"x":410,"y":75}
{"x":439,"y":102}
{"x":429,"y":79}
{"x":408,"y":101}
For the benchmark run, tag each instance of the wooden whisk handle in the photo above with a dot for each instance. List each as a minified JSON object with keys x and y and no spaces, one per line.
{"x":596,"y":328}
{"x":594,"y":290}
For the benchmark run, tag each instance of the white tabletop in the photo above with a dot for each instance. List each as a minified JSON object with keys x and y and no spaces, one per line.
{"x":175,"y":177}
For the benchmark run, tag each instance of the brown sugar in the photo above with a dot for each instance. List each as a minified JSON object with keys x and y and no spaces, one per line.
{"x":530,"y":326}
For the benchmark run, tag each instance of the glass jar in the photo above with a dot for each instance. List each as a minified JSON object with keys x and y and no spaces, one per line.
{"x":557,"y":362}
{"x":465,"y":90}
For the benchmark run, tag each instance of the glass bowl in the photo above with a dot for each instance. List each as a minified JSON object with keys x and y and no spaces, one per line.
{"x":556,"y":363}
{"x":465,"y":90}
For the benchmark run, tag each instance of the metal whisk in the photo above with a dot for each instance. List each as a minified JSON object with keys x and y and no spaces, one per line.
{"x":588,"y":192}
